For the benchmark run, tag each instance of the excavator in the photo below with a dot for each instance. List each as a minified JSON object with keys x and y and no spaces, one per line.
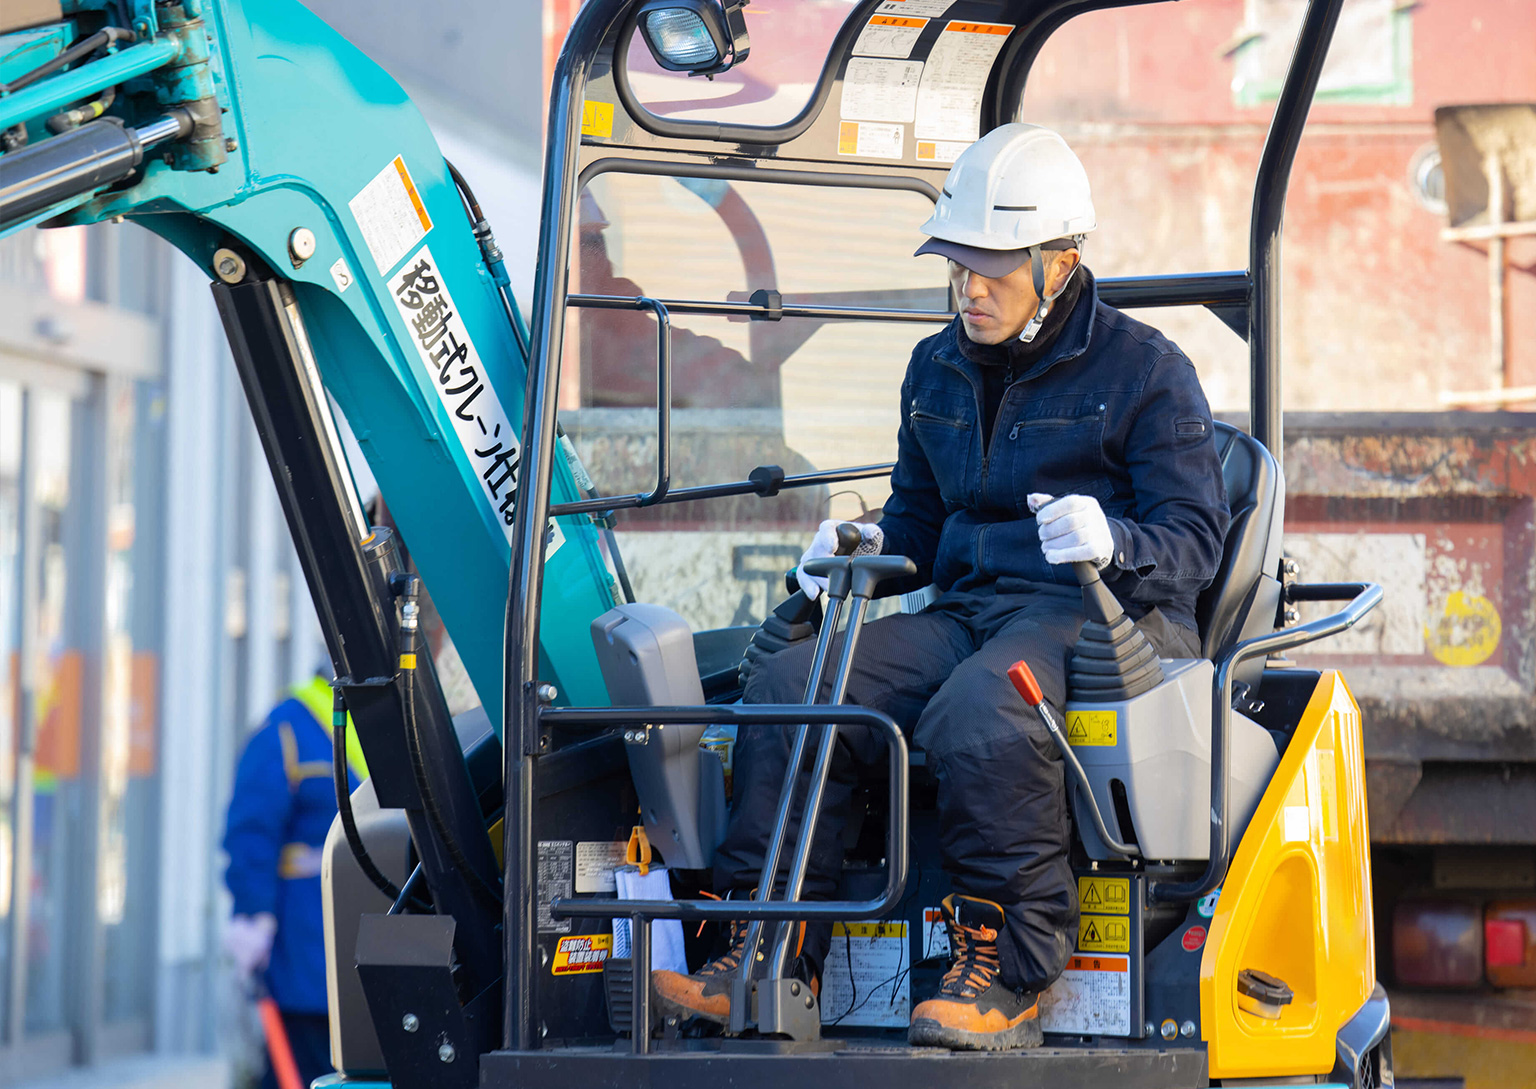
{"x":1218,"y":803}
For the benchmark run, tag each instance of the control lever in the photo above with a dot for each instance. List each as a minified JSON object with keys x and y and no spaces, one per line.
{"x":1023,"y":679}
{"x":1112,"y":660}
{"x":859,"y":576}
{"x":796,"y":617}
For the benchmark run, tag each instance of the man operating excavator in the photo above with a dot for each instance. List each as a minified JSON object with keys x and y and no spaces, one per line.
{"x":1040,"y":428}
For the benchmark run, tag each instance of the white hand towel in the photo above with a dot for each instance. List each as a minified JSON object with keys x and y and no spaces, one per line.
{"x":666,"y":934}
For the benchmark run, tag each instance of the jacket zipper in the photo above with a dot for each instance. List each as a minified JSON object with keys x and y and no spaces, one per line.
{"x":917,"y":414}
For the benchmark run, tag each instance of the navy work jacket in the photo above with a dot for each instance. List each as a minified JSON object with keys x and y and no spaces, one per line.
{"x":279,"y":815}
{"x":1113,"y":410}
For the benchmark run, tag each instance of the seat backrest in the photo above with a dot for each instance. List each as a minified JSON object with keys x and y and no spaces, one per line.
{"x":1243,"y":600}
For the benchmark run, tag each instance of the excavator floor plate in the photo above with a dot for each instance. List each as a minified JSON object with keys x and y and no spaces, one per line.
{"x":846,"y":1064}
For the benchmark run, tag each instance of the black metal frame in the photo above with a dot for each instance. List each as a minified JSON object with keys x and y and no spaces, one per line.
{"x":640,"y":912}
{"x":1362,"y":598}
{"x":349,"y":571}
{"x":594,"y":28}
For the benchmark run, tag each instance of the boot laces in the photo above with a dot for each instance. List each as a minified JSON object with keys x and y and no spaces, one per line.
{"x":730,"y":960}
{"x":976,"y":962}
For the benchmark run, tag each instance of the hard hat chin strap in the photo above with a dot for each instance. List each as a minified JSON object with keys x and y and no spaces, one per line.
{"x":1037,"y":271}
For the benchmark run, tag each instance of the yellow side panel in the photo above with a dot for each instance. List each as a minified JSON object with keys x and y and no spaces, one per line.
{"x":1297,"y":903}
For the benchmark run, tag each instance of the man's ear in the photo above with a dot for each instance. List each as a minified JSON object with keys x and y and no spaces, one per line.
{"x":1061,"y":268}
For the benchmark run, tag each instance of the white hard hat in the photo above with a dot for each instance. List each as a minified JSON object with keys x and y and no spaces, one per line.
{"x":1016,"y":191}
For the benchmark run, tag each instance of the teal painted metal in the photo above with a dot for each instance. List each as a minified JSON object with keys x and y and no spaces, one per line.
{"x":321,"y":138}
{"x":26,"y":49}
{"x":56,"y":92}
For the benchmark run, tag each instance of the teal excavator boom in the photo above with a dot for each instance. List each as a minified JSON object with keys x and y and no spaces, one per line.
{"x":351,"y":266}
{"x":262,"y":144}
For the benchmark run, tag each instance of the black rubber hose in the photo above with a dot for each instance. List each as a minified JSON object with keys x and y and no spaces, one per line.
{"x":429,"y":799}
{"x":83,"y":48}
{"x":344,"y":801}
{"x":483,"y":234}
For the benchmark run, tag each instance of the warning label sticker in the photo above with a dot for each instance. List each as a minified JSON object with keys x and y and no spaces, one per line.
{"x":935,"y":935}
{"x":880,"y":90}
{"x":870,"y":140}
{"x":940,"y":151}
{"x":926,"y":9}
{"x":866,"y":981}
{"x":556,"y":866}
{"x":390,"y":214}
{"x":949,"y":99}
{"x":459,"y":378}
{"x":1092,"y":998}
{"x":1090,"y":728}
{"x":1100,"y":894}
{"x":581,"y":953}
{"x":889,"y":36}
{"x":597,"y":119}
{"x":595,"y":863}
{"x":1103,"y":934}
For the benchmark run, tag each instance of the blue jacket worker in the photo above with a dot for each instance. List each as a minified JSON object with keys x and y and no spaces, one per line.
{"x":282,"y":807}
{"x":1040,"y":428}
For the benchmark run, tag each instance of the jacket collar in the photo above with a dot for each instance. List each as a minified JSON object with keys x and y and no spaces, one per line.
{"x":1072,"y":342}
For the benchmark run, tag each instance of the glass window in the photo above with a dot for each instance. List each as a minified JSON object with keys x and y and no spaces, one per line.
{"x":57,"y":674}
{"x":1370,"y":60}
{"x":125,"y":881}
{"x":803,"y":394}
{"x":790,"y":41}
{"x":10,"y":660}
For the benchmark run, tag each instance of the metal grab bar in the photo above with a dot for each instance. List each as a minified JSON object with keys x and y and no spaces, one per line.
{"x":1362,"y":597}
{"x":663,"y":406}
{"x":1227,"y":288}
{"x":766,"y":488}
{"x":640,"y":912}
{"x":759,"y":714}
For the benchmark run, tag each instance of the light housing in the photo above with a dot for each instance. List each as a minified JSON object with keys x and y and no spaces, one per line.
{"x":700,"y":37}
{"x":1509,"y":941}
{"x":1437,"y":943}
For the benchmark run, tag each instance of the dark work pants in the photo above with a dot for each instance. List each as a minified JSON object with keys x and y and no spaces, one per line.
{"x":941,"y":674}
{"x":309,"y":1034}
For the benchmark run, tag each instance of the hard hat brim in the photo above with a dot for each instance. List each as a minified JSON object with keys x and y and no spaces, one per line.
{"x":992,"y":264}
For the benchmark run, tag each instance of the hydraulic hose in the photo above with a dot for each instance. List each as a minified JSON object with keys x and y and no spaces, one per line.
{"x":84,"y":48}
{"x":344,"y":800}
{"x":494,"y":260}
{"x":410,"y":614}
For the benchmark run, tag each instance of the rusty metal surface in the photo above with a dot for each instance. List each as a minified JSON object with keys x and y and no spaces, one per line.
{"x":1441,"y":509}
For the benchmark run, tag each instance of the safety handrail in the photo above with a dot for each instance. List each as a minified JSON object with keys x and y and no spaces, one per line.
{"x":1362,"y":597}
{"x":758,"y":714}
{"x":1228,"y":288}
{"x":640,"y":912}
{"x":765,"y":482}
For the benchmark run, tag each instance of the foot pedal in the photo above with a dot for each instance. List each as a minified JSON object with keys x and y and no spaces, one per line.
{"x":619,"y":992}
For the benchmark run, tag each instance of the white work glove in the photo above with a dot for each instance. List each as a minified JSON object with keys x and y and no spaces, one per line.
{"x":825,"y":544}
{"x":1072,"y":528}
{"x":248,"y":941}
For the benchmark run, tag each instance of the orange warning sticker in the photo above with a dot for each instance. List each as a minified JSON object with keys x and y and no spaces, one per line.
{"x":956,"y":27}
{"x":1098,"y":964}
{"x":579,"y":953}
{"x":410,"y":191}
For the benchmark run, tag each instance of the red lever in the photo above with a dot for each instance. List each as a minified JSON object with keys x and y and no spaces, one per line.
{"x":1024,"y":680}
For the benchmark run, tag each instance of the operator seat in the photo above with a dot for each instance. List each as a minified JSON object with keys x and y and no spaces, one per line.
{"x":1244,"y":598}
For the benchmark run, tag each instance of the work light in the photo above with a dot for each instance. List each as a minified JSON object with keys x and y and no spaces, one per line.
{"x":696,"y":36}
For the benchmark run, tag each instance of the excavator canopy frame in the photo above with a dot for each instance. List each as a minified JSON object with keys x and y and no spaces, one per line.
{"x":597,"y":124}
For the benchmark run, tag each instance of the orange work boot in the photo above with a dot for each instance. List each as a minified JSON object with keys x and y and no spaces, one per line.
{"x":973,"y":1010}
{"x":707,"y":992}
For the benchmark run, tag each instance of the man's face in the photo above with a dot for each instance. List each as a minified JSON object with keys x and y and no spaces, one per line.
{"x":994,"y":310}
